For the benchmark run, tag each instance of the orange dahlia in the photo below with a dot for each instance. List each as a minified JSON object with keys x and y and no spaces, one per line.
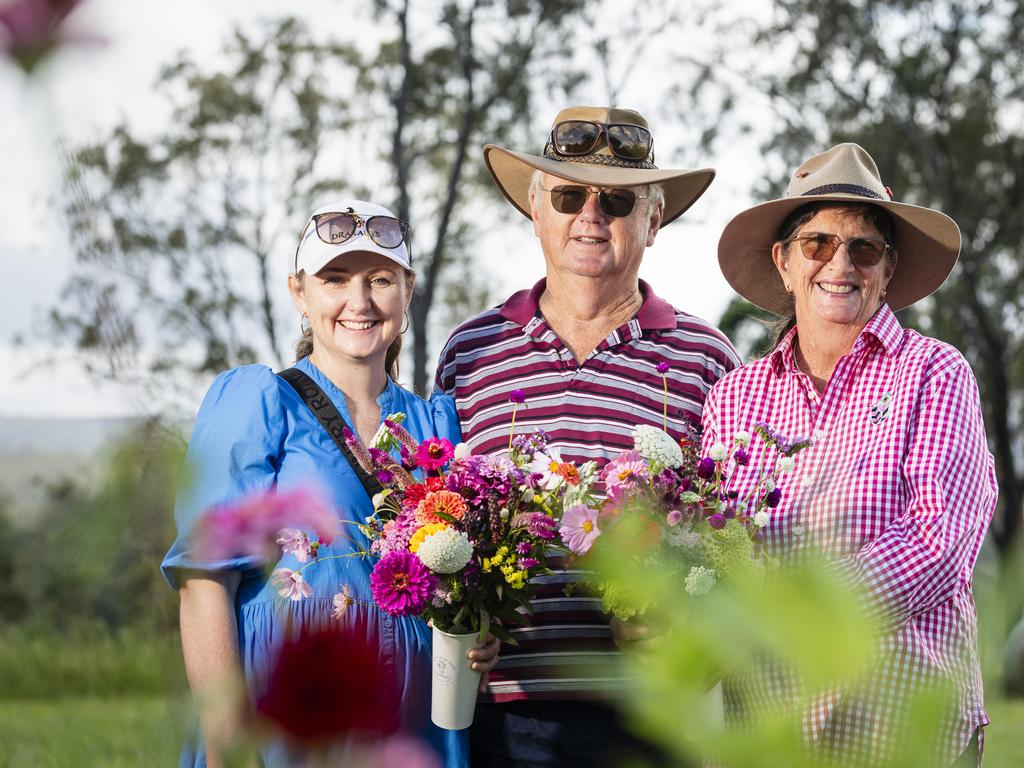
{"x":446,"y":502}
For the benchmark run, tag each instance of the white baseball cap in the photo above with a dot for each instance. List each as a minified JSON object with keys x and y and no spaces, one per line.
{"x":314,"y":253}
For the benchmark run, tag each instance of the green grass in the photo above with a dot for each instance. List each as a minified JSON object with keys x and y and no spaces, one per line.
{"x":146,"y":731}
{"x":1004,"y":738}
{"x":91,"y":733}
{"x":88,"y":662}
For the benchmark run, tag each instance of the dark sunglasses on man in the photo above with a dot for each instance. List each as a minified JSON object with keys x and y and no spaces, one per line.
{"x":570,"y":198}
{"x":573,"y":138}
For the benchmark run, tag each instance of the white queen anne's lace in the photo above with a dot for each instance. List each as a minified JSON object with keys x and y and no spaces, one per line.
{"x":446,"y":551}
{"x":657,"y":447}
{"x":700,"y":580}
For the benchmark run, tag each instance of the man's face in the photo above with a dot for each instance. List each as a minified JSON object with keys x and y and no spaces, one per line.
{"x":591,"y":243}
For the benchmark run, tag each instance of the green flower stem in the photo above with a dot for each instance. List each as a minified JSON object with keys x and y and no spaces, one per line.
{"x":512,"y":428}
{"x":664,"y":403}
{"x":331,"y":557}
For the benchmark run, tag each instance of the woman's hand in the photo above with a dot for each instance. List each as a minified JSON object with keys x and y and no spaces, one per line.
{"x":484,"y":658}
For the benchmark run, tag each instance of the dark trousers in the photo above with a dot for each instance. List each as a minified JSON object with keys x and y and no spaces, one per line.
{"x":552,"y":734}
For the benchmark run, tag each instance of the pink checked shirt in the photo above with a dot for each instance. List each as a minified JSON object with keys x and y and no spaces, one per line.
{"x":899,"y":487}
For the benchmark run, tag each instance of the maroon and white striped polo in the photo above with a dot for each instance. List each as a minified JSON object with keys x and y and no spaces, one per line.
{"x":588,"y":411}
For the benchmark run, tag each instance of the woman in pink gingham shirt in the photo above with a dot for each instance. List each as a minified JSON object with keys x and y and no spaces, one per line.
{"x":898,"y":486}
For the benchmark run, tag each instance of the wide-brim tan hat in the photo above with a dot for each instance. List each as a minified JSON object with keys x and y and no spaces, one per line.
{"x":927,"y":241}
{"x":601,"y":168}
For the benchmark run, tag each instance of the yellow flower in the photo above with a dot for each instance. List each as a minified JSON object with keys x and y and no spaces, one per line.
{"x":422,"y":533}
{"x":516,"y":580}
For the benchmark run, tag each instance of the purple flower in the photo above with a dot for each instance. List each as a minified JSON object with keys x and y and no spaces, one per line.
{"x":524,"y":547}
{"x":385,"y":477}
{"x":408,"y":459}
{"x":717,"y":521}
{"x":706,"y":468}
{"x":537,"y":524}
{"x":673,"y":518}
{"x":742,"y":457}
{"x":401,"y":584}
{"x":663,"y":367}
{"x":517,"y":396}
{"x":526,"y":563}
{"x":773,"y":498}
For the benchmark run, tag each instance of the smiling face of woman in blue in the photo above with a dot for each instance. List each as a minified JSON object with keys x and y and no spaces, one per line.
{"x":356,"y":306}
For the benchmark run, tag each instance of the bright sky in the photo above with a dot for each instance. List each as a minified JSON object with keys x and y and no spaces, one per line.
{"x":81,"y":93}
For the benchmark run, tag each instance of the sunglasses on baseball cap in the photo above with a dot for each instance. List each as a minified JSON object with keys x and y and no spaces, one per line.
{"x":352,"y":226}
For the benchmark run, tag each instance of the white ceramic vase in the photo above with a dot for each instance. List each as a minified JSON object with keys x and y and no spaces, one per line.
{"x":454,"y":684}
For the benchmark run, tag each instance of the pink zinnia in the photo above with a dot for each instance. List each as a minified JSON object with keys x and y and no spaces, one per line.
{"x":579,"y":528}
{"x":434,"y":452}
{"x":290,"y":584}
{"x":401,"y":584}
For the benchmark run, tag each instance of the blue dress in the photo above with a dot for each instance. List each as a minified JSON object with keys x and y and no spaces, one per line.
{"x":254,"y":432}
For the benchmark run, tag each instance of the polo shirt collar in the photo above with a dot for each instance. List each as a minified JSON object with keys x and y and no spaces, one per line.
{"x":655,"y":313}
{"x":883,"y":327}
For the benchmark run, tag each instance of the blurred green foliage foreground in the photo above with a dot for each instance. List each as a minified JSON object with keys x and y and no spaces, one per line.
{"x":91,"y":673}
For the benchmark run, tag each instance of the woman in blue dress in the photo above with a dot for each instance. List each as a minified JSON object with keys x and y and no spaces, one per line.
{"x":352,"y":284}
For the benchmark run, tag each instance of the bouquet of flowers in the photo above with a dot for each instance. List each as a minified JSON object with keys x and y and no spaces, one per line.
{"x":671,"y":509}
{"x":458,"y":544}
{"x":459,"y":536}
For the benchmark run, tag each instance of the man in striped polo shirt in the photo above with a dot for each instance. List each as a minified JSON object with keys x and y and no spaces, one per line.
{"x":583,"y":345}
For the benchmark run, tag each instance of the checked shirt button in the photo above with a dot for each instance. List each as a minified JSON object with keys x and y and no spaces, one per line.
{"x":798,"y":530}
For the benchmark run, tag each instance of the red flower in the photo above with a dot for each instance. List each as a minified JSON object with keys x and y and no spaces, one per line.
{"x":328,"y":684}
{"x":416,"y":492}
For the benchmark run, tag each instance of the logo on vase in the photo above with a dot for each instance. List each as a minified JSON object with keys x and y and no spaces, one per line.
{"x":444,"y":670}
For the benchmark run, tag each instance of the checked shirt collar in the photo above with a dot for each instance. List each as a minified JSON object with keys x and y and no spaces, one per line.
{"x":882,"y":330}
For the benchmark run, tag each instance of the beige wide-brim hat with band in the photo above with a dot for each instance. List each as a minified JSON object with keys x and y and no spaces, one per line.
{"x":927,"y":241}
{"x":601,"y":168}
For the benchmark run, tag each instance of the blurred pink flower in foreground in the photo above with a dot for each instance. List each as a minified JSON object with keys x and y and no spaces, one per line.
{"x":250,"y":526}
{"x":29,"y":30}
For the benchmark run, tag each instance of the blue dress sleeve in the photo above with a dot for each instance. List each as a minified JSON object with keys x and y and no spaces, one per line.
{"x":445,"y":417}
{"x":234,"y":451}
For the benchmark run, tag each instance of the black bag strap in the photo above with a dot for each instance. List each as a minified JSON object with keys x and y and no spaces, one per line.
{"x":322,"y":407}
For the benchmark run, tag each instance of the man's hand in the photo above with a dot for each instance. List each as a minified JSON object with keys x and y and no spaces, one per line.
{"x":632,"y":635}
{"x":484,"y":658}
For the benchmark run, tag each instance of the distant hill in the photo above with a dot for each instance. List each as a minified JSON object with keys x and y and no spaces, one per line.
{"x":86,"y":437}
{"x":35,"y":453}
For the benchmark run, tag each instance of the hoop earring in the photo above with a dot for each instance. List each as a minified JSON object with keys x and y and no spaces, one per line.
{"x":304,"y":324}
{"x":406,"y":326}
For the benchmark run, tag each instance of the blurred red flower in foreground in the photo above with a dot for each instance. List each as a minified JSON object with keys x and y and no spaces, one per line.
{"x":329,"y":684}
{"x":29,"y":29}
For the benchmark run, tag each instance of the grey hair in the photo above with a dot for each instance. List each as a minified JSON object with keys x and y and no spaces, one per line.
{"x":654,"y":193}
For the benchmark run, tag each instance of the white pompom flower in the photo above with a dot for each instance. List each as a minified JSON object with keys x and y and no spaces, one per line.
{"x":700,"y":580}
{"x":446,"y":551}
{"x":462,"y":450}
{"x":657,"y":447}
{"x":786,"y":464}
{"x":718,"y":452}
{"x":761,"y":519}
{"x":742,"y":439}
